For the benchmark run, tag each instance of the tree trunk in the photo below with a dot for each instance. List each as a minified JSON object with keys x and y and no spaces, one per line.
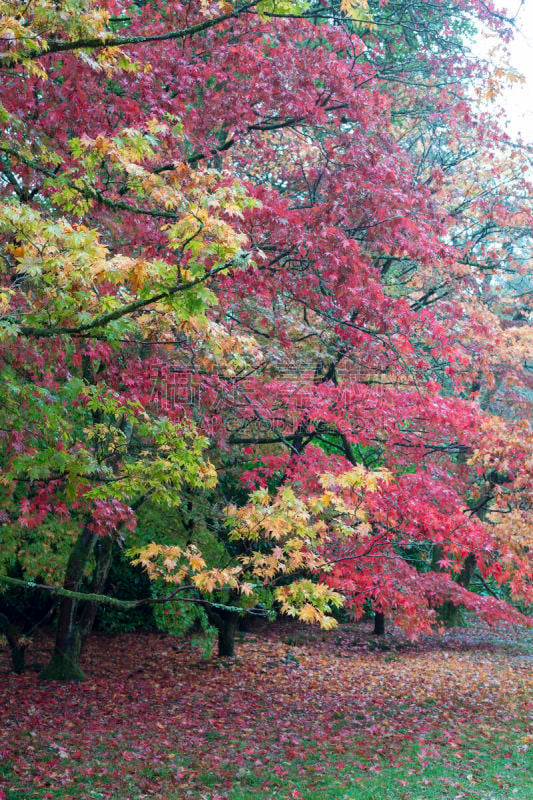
{"x":225,"y":622}
{"x":379,"y":624}
{"x":451,"y":614}
{"x":104,"y":557}
{"x":455,"y":614}
{"x":226,"y":634}
{"x":17,"y":650}
{"x":64,"y":664}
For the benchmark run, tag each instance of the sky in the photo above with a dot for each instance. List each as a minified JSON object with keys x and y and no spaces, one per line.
{"x":521,"y":98}
{"x":518,"y":99}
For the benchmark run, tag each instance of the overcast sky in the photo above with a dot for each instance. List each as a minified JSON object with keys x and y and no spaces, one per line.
{"x":518,"y":100}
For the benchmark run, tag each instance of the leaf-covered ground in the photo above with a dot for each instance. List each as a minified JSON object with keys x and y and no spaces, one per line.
{"x":299,"y":714}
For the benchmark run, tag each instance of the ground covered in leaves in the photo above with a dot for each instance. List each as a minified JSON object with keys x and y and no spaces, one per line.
{"x":298,"y":714}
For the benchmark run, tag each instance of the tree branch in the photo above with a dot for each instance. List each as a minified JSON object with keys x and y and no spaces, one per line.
{"x":104,"y":599}
{"x":57,"y":46}
{"x":103,"y":319}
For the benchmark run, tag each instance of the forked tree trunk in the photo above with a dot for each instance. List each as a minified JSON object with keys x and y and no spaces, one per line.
{"x":64,"y":664}
{"x":451,"y":614}
{"x":104,"y":557}
{"x":379,"y":624}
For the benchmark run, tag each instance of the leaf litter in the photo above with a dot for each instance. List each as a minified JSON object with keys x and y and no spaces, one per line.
{"x":156,"y":720}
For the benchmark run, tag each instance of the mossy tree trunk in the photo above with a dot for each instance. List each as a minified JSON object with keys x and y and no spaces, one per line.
{"x":451,"y":614}
{"x":64,"y":664}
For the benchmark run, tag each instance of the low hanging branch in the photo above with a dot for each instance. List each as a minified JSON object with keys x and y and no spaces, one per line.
{"x":104,"y":599}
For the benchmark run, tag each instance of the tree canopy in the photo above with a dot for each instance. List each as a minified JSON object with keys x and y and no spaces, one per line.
{"x":264,"y":310}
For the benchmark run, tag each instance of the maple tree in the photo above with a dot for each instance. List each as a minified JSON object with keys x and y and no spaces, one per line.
{"x":481,"y":178}
{"x":312,"y":403}
{"x":81,"y":453}
{"x":244,"y":213}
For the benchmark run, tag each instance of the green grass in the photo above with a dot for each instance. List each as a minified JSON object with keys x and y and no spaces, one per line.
{"x":486,"y":755}
{"x":473,"y":773}
{"x":476,"y":776}
{"x":479,"y":771}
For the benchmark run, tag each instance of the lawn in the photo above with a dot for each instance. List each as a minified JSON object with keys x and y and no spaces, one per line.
{"x":298,"y":714}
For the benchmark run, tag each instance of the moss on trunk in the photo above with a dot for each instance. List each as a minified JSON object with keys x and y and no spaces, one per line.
{"x":64,"y":666}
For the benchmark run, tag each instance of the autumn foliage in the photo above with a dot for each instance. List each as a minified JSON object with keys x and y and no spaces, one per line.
{"x":265,"y":287}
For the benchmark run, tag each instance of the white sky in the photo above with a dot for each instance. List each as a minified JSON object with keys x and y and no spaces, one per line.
{"x":518,"y":99}
{"x":521,"y":98}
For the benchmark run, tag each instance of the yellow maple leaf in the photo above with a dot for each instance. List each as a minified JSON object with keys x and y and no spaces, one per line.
{"x":196,"y":562}
{"x":308,"y":613}
{"x":357,"y":10}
